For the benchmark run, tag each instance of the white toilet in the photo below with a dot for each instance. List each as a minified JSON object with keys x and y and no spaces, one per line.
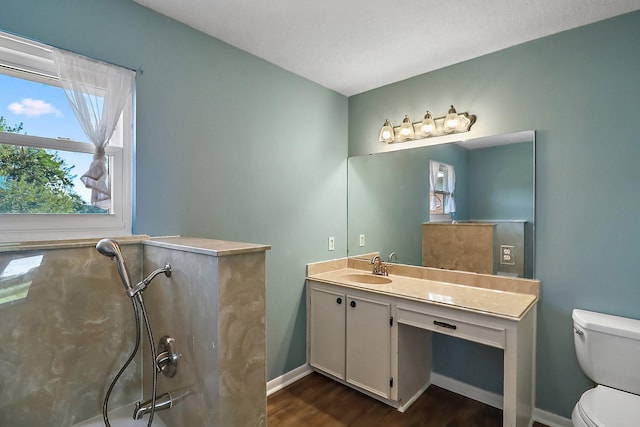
{"x":608,"y":350}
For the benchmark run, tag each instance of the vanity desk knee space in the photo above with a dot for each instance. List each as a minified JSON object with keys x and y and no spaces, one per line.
{"x":373,"y":332}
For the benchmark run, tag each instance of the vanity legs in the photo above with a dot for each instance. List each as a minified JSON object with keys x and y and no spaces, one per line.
{"x":519,"y":372}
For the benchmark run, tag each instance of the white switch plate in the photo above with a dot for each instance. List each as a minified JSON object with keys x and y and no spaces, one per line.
{"x":332,"y":244}
{"x":361,"y":240}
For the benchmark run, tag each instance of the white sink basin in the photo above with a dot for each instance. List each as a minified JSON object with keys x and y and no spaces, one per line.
{"x":369,"y":279}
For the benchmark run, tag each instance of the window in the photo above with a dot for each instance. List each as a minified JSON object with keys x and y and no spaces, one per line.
{"x":442,"y":182}
{"x":44,"y":151}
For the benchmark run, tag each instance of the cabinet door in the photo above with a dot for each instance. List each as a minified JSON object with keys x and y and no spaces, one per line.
{"x":369,"y":345}
{"x":327,"y":331}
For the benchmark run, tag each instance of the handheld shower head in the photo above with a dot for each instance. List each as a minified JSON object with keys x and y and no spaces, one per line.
{"x":108,"y":247}
{"x":111,"y":249}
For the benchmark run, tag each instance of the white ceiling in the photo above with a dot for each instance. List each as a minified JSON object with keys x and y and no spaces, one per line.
{"x":352,"y":46}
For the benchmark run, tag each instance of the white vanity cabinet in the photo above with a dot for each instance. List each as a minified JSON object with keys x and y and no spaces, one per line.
{"x":377,"y":338}
{"x":327,"y":330}
{"x":368,"y":348}
{"x":350,"y":337}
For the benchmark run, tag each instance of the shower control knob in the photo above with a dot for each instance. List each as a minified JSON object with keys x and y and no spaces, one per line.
{"x":167,"y":359}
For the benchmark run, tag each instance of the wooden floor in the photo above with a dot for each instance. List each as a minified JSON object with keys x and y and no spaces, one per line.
{"x":316,"y":401}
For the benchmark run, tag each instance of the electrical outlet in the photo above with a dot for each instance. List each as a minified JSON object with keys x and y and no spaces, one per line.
{"x":332,"y":244}
{"x":361,"y":240}
{"x":506,"y":255}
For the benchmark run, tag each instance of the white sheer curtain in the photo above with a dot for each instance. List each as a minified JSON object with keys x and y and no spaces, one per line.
{"x":449,"y":186}
{"x":97,"y":93}
{"x":434,"y":167}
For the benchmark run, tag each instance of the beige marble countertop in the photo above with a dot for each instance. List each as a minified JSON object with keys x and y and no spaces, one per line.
{"x":499,"y":303}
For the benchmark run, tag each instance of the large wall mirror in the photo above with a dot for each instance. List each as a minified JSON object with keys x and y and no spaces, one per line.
{"x":388,"y":204}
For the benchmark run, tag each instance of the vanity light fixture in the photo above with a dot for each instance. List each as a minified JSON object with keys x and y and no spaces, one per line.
{"x":429,"y":127}
{"x":406,"y":129}
{"x":386,"y":133}
{"x":451,"y":120}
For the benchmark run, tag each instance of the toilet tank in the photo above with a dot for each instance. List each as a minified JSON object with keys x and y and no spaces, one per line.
{"x":608,"y":349}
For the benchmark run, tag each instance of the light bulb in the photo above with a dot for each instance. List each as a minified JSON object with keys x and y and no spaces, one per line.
{"x":406,"y":128}
{"x":386,"y":133}
{"x":428,"y":125}
{"x":451,"y":121}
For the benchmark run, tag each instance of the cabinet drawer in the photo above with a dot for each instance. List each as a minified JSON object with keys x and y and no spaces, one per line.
{"x":494,"y":337}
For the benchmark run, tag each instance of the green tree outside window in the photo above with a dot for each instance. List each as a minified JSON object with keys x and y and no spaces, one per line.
{"x":35,"y":181}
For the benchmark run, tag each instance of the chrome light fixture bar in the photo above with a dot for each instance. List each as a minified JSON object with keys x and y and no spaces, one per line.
{"x":428,"y":127}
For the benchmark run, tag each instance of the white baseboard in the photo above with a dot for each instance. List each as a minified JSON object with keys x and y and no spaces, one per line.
{"x":549,"y":419}
{"x":415,"y":397}
{"x":288,"y":378}
{"x":475,"y":393}
{"x":464,"y":389}
{"x":495,"y":400}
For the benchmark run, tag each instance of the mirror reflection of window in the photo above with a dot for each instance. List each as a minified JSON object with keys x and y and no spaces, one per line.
{"x":16,"y":278}
{"x":441,"y":187}
{"x":436,"y":200}
{"x":436,"y":197}
{"x":442,"y":176}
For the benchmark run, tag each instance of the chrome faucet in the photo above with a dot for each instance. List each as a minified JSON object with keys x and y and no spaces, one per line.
{"x":164,"y":401}
{"x":392,"y":255}
{"x":378,"y":266}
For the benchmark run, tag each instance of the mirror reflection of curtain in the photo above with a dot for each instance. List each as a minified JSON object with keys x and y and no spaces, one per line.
{"x":448,"y":186}
{"x":434,"y":202}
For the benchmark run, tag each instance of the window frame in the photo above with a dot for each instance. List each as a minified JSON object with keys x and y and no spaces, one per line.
{"x":35,"y":62}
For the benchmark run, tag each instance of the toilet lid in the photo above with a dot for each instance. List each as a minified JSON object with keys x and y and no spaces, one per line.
{"x":607,"y":407}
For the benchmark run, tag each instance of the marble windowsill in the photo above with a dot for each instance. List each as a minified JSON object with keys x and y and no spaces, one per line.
{"x":65,"y":243}
{"x":186,"y":244}
{"x":499,"y":296}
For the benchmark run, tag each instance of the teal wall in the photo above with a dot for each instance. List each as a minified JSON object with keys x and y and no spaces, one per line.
{"x":501,"y":182}
{"x":228,"y":146}
{"x":580,"y":91}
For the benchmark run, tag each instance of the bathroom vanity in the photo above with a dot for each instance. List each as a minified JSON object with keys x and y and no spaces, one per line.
{"x":373,"y":333}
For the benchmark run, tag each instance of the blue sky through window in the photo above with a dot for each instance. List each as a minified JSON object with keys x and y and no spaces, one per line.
{"x":44,"y":111}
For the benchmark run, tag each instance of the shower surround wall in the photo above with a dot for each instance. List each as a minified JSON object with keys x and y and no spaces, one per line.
{"x":64,"y":340}
{"x":214,"y":306}
{"x":67,"y":327}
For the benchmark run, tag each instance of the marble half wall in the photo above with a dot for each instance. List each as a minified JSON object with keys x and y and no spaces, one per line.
{"x":68,"y":326}
{"x":213,"y":305}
